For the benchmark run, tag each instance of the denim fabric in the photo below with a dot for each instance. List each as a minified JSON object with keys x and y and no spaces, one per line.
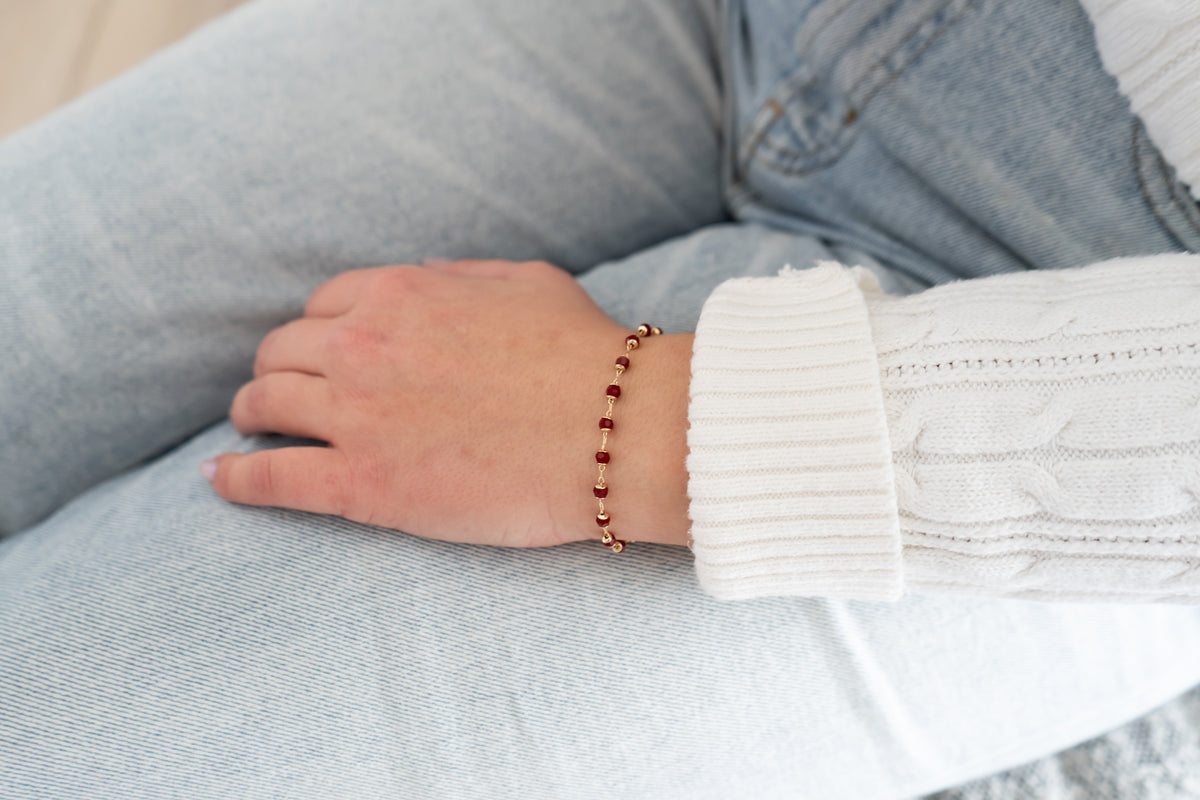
{"x":948,"y":138}
{"x":156,"y":642}
{"x":153,"y":232}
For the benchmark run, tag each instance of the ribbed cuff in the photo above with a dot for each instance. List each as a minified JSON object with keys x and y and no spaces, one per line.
{"x":790,"y":469}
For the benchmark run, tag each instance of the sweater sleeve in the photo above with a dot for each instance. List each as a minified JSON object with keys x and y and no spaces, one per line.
{"x":1032,"y":435}
{"x":1149,"y":46}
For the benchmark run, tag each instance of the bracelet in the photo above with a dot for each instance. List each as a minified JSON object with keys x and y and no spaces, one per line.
{"x":606,"y":427}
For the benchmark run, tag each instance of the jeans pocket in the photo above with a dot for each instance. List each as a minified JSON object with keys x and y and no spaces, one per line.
{"x":953,"y":139}
{"x":844,"y":54}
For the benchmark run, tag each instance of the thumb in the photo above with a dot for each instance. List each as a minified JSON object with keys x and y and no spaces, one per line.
{"x":304,"y":478}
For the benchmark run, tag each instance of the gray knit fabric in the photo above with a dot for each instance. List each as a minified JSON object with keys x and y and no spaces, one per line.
{"x":1156,"y":757}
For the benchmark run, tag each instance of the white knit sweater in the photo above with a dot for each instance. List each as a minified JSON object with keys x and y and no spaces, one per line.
{"x":1030,"y":435}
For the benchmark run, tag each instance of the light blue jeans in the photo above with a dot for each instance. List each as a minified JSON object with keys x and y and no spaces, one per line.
{"x":156,"y":642}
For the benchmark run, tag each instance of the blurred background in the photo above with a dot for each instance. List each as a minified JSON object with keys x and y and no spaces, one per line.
{"x":54,"y":50}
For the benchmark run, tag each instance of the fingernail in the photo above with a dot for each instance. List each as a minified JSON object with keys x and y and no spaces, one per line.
{"x":435,"y":263}
{"x":209,"y":468}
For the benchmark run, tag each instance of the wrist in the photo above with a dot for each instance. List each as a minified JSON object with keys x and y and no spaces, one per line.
{"x":650,"y":484}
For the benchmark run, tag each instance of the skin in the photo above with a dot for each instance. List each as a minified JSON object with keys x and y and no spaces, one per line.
{"x":446,"y":420}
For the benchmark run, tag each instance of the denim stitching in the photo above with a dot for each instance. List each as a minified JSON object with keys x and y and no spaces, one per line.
{"x":790,"y":162}
{"x":875,"y":79}
{"x":892,"y":74}
{"x":774,"y":108}
{"x":1178,"y":202}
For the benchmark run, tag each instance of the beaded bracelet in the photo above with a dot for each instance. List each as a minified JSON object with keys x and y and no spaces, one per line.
{"x":606,"y":427}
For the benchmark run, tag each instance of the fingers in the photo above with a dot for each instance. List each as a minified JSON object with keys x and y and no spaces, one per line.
{"x":291,"y":403}
{"x":476,"y":268}
{"x":312,"y":479}
{"x":297,"y":346}
{"x":337,"y":295}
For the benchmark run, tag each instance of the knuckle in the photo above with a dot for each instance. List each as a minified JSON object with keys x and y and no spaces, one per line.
{"x":252,"y":406}
{"x":255,"y":399}
{"x":395,"y":279}
{"x":336,"y":285}
{"x":261,"y":355}
{"x":239,"y":411}
{"x":318,"y":296}
{"x":366,"y":477}
{"x":260,"y":477}
{"x":398,"y":282}
{"x":353,"y":340}
{"x":314,"y":298}
{"x":340,"y":491}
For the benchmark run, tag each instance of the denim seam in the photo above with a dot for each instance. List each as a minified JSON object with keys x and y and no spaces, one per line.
{"x":774,"y":108}
{"x":875,"y":78}
{"x":1175,"y":205}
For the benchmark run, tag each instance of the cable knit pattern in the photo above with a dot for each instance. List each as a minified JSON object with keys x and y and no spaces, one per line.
{"x":1043,"y":429}
{"x":1046,"y":431}
{"x":790,"y":466}
{"x":1153,"y":49}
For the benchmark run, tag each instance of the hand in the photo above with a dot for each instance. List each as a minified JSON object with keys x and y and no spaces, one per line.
{"x":461,"y":402}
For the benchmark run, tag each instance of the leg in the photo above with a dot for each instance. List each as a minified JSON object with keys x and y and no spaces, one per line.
{"x":151,"y":233}
{"x":156,"y":642}
{"x":948,"y":138}
{"x":330,"y":685}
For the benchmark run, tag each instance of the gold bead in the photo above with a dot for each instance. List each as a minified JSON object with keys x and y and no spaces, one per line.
{"x":631,"y":344}
{"x":618,"y":546}
{"x":607,"y":538}
{"x":603,"y":519}
{"x":656,"y":331}
{"x":643,"y":330}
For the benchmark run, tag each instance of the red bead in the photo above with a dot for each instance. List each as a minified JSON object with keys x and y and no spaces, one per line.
{"x":609,"y":544}
{"x":622,"y":361}
{"x":613,"y":390}
{"x":600,"y":491}
{"x":606,"y":424}
{"x":601,"y":457}
{"x":632,"y":339}
{"x":602,"y":520}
